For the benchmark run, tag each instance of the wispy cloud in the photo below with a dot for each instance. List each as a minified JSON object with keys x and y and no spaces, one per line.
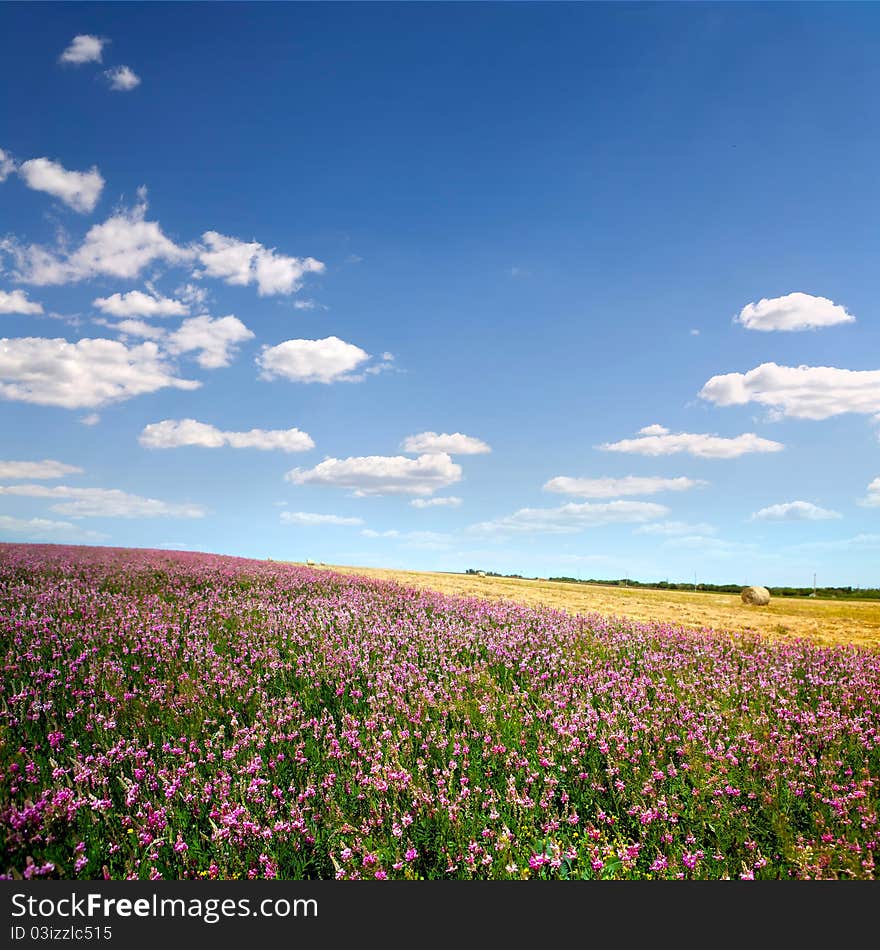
{"x":617,"y":487}
{"x":310,"y":519}
{"x":174,"y":433}
{"x":795,"y":511}
{"x":103,"y":502}
{"x":448,"y":501}
{"x":571,"y":518}
{"x":48,"y":468}
{"x":44,"y":529}
{"x":656,"y":440}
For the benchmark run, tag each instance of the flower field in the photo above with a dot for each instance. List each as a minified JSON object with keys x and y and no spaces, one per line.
{"x":182,"y":715}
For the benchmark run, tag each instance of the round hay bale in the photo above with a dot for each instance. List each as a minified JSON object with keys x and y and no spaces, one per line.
{"x":757,"y":596}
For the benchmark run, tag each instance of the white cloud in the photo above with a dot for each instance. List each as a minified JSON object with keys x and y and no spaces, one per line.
{"x":48,"y":468}
{"x":571,"y":518}
{"x":170,"y":434}
{"x":307,"y":518}
{"x":800,"y":392}
{"x":794,"y":511}
{"x":793,"y":312}
{"x":715,"y":547}
{"x":382,"y":475}
{"x":103,"y":502}
{"x":138,"y":328}
{"x":195,"y":297}
{"x":122,"y":246}
{"x":136,"y":303}
{"x":215,"y":340}
{"x":672,"y":529}
{"x":449,"y":501}
{"x":454,"y":444}
{"x":16,"y":301}
{"x":78,"y":190}
{"x":860,"y":542}
{"x":122,"y":78}
{"x":427,"y":540}
{"x":92,"y":419}
{"x":7,"y":165}
{"x":83,"y":48}
{"x":652,"y":441}
{"x":695,"y":332}
{"x":872,"y":499}
{"x":245,"y":262}
{"x":615,"y":487}
{"x":44,"y":529}
{"x":311,"y":361}
{"x":85,"y":374}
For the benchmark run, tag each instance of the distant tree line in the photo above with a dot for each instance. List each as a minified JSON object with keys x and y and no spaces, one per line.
{"x":838,"y":593}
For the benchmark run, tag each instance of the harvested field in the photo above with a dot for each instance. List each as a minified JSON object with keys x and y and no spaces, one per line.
{"x":825,"y":621}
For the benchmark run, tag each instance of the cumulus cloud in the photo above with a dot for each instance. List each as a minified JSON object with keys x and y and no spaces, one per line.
{"x":85,"y":374}
{"x":655,"y":440}
{"x":172,"y":433}
{"x":83,"y":48}
{"x":615,"y":487}
{"x":571,"y":518}
{"x":48,"y":468}
{"x":122,"y":78}
{"x":92,"y":419}
{"x":121,"y":247}
{"x":249,"y":262}
{"x":103,"y":502}
{"x":792,"y":312}
{"x":43,"y":529}
{"x":673,"y":529}
{"x":16,"y":301}
{"x":214,"y":340}
{"x":448,"y":501}
{"x":799,"y":392}
{"x":78,"y":190}
{"x":308,"y":518}
{"x":794,"y":511}
{"x":872,"y":499}
{"x":329,"y":360}
{"x":382,"y":475}
{"x":454,"y":444}
{"x":136,"y":303}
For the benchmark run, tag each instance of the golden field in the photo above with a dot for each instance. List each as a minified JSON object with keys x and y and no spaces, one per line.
{"x":828,"y":622}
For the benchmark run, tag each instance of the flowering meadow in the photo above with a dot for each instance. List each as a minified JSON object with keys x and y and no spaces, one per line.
{"x":177,"y":715}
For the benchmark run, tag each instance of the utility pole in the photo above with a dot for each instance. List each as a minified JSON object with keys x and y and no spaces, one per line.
{"x":695,"y":582}
{"x":814,"y":584}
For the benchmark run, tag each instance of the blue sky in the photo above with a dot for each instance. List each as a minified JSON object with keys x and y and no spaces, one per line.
{"x":549,"y":289}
